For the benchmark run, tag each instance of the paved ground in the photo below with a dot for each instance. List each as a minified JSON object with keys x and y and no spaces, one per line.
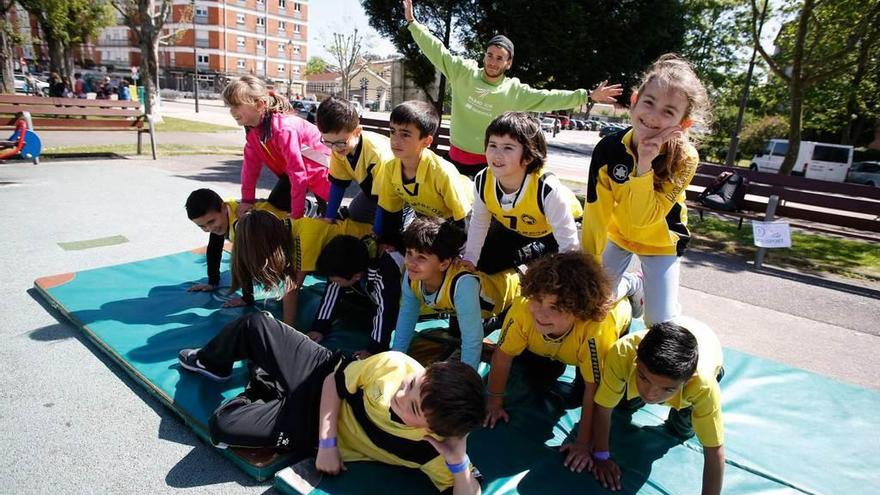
{"x":72,"y":421}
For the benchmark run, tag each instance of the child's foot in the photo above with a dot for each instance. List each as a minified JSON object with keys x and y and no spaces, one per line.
{"x":637,"y":295}
{"x":189,"y":360}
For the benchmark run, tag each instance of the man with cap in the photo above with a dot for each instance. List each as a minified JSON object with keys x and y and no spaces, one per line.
{"x":480,"y":95}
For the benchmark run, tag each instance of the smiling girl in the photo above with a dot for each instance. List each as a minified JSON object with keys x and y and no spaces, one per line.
{"x":637,"y":182}
{"x":290,"y":146}
{"x":520,"y":211}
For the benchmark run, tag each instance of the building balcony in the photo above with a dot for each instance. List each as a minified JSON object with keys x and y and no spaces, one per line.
{"x":114,"y":43}
{"x":241,"y":49}
{"x":261,"y":51}
{"x":200,"y":19}
{"x":261,"y":29}
{"x":203,"y":43}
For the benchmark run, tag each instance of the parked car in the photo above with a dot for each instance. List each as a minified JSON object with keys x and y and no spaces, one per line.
{"x":867,"y":173}
{"x":547,"y":124}
{"x":578,"y":124}
{"x":357,"y":105}
{"x":822,"y":161}
{"x":306,"y":109}
{"x":21,"y":85}
{"x":610,"y":128}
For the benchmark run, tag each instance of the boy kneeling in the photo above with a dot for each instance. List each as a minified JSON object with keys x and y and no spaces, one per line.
{"x":673,"y":365}
{"x":305,"y":398}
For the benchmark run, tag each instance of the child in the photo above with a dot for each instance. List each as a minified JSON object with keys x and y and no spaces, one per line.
{"x":637,"y":182}
{"x":670,"y":364}
{"x":290,"y":146}
{"x":356,"y":155}
{"x":416,"y":176}
{"x":279,"y":254}
{"x":566,"y":316}
{"x":306,"y":399}
{"x":433,"y":279}
{"x":211,"y":214}
{"x":529,"y":210}
{"x":359,"y":265}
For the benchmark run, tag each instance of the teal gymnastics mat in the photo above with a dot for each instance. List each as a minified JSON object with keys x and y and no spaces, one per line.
{"x":786,"y":430}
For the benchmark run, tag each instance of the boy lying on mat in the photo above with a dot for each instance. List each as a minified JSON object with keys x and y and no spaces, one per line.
{"x":304,"y":398}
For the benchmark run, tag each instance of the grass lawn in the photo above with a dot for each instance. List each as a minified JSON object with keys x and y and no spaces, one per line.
{"x":131,"y":150}
{"x":809,"y":251}
{"x":172,"y":124}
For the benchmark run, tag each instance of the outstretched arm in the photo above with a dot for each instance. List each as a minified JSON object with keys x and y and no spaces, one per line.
{"x":713,"y":469}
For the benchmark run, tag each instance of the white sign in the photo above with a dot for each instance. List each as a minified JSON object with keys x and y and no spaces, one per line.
{"x":771,"y":234}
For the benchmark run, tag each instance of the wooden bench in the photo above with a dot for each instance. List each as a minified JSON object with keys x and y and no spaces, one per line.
{"x":381,"y":126}
{"x":845,"y":209}
{"x":74,"y":114}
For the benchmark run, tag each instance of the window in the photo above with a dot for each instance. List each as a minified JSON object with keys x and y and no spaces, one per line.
{"x":261,"y":21}
{"x":281,"y":27}
{"x":296,"y":49}
{"x":202,"y":59}
{"x":781,"y":149}
{"x":831,"y":154}
{"x":202,"y":35}
{"x":239,"y":18}
{"x":297,"y":7}
{"x":282,"y":4}
{"x":282,"y":51}
{"x":296,"y":69}
{"x":281,"y":68}
{"x":296,"y":28}
{"x":261,"y":2}
{"x":239,"y":41}
{"x":201,"y":11}
{"x":261,"y":43}
{"x":240,"y":64}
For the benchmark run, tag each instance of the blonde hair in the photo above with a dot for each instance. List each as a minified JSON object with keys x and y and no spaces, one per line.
{"x":674,"y":71}
{"x":249,"y":90}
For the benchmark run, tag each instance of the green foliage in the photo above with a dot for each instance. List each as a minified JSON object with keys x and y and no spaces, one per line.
{"x":756,"y":134}
{"x":715,"y":38}
{"x":317,"y":65}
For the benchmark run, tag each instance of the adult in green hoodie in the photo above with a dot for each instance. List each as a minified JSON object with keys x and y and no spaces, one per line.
{"x":481,"y":94}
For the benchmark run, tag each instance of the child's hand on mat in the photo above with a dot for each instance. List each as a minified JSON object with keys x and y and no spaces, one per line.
{"x":453,"y":449}
{"x":606,"y":94}
{"x":244,"y":208}
{"x":317,"y":337}
{"x":494,"y":413}
{"x":363,"y":354}
{"x":607,"y":473}
{"x":235,"y":302}
{"x":329,"y":461}
{"x":649,"y":148}
{"x":578,"y":456}
{"x":201,"y":288}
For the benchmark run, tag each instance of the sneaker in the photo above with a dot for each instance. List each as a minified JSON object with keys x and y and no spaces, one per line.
{"x":637,"y":298}
{"x":189,"y":360}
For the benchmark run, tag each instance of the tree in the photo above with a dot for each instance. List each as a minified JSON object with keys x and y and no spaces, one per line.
{"x":7,"y":82}
{"x":346,"y":50}
{"x":716,"y":33}
{"x":824,"y":41}
{"x":317,"y":65}
{"x":146,"y":20}
{"x":386,"y":17}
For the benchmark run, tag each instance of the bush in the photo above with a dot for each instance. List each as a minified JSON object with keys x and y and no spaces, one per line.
{"x":755,"y":134}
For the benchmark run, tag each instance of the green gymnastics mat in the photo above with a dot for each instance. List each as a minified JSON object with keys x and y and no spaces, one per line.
{"x":140,"y":314}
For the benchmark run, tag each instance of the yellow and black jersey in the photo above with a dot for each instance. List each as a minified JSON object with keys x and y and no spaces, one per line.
{"x":438,"y":189}
{"x":365,"y":165}
{"x":310,"y":235}
{"x":626,"y":209}
{"x":584,"y":346}
{"x":260,"y":204}
{"x":369,"y":430}
{"x":526,"y":216}
{"x":497,"y":291}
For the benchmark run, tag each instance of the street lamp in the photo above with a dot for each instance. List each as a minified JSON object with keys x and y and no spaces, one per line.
{"x":195,"y":58}
{"x":289,"y":69}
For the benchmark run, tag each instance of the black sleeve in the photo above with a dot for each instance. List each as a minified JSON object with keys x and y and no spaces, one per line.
{"x":595,"y":163}
{"x":324,"y":318}
{"x":386,"y":293}
{"x":213,"y":256}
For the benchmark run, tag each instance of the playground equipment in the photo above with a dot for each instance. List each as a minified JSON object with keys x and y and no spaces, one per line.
{"x":23,"y":142}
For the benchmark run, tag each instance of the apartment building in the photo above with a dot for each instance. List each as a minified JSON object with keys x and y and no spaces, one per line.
{"x":223,"y":39}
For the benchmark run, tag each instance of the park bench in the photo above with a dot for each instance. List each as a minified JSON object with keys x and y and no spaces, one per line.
{"x":850,"y":210}
{"x":381,"y":126}
{"x":74,"y":114}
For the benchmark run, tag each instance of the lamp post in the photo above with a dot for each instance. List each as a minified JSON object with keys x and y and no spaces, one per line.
{"x":195,"y":59}
{"x":289,"y":69}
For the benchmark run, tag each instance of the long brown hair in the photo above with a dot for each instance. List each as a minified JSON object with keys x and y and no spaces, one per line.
{"x":263,"y":252}
{"x":248,"y":90}
{"x":674,"y":71}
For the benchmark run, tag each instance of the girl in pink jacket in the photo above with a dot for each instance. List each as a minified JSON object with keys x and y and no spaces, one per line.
{"x":290,"y":146}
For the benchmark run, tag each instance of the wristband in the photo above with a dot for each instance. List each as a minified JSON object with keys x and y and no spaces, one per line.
{"x":457,"y":468}
{"x":495,"y":394}
{"x":327,"y":443}
{"x":601,"y":455}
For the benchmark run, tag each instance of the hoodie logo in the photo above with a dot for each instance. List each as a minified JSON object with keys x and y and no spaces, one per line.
{"x":620,"y":173}
{"x":481,"y":92}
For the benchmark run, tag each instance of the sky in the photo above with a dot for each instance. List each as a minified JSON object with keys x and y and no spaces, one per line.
{"x":342,"y":16}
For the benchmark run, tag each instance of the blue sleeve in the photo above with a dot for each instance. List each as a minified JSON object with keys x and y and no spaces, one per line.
{"x":379,"y":221}
{"x":408,"y":317}
{"x":467,"y":312}
{"x":336,"y":194}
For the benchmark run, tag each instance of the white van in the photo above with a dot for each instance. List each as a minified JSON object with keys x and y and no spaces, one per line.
{"x":822,"y":161}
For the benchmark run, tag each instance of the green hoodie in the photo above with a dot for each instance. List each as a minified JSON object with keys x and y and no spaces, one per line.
{"x":475,"y":102}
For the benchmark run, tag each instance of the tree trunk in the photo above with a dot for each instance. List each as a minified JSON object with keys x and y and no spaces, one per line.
{"x":147,"y":75}
{"x":441,"y":87}
{"x":797,"y":86}
{"x":849,"y":134}
{"x":7,"y":82}
{"x":56,"y":54}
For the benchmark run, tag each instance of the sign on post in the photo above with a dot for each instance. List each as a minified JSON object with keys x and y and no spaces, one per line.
{"x":771,"y":234}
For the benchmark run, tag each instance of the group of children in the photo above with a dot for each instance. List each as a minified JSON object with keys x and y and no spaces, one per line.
{"x":501,"y":251}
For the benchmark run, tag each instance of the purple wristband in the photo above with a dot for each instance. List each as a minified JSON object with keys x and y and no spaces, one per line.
{"x":461,"y":466}
{"x":327,"y":443}
{"x":601,"y":455}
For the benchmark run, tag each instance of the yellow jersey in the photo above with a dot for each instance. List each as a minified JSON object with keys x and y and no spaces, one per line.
{"x":497,"y":291}
{"x":372,"y":151}
{"x":260,"y":204}
{"x":310,"y":235}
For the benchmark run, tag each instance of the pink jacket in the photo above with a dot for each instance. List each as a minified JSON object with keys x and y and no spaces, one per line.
{"x":288,"y":145}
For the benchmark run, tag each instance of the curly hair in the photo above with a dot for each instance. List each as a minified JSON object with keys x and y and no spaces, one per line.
{"x":578,"y":282}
